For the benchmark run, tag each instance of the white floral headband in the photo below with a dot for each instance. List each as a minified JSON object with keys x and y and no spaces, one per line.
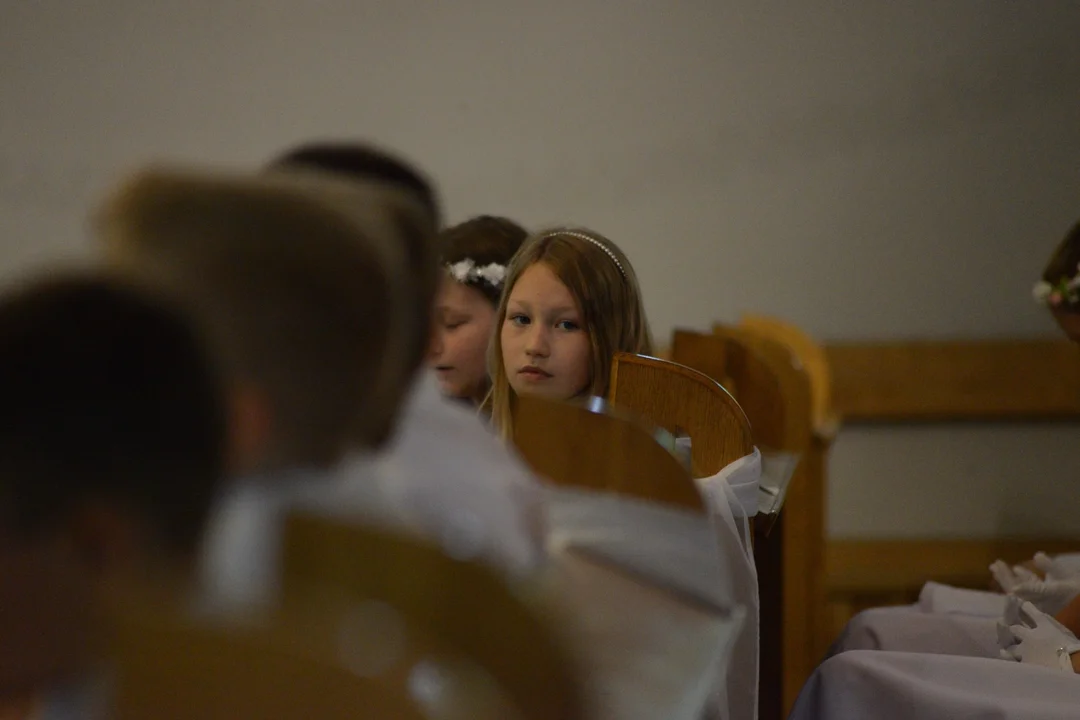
{"x":594,"y":241}
{"x":467,"y":272}
{"x":1063,"y":293}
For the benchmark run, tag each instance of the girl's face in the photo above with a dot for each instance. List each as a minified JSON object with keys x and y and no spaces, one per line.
{"x":459,"y":343}
{"x":545,"y":347}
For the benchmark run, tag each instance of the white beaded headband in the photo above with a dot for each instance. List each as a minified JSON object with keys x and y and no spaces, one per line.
{"x":594,"y":241}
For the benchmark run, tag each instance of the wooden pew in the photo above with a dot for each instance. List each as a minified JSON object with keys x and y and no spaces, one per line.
{"x":627,"y":614}
{"x":810,"y":354}
{"x":683,"y":401}
{"x":173,"y":665}
{"x":937,"y":382}
{"x":463,"y":605}
{"x":932,"y":381}
{"x":687,"y":401}
{"x":594,"y":447}
{"x":811,"y":484}
{"x":775,"y":394}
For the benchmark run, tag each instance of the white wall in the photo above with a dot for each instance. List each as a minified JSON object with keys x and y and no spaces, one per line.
{"x":868,"y":170}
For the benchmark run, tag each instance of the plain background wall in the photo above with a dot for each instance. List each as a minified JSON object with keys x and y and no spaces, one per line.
{"x":867,"y":170}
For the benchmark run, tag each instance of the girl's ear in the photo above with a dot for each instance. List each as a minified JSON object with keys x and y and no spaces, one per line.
{"x":250,"y":424}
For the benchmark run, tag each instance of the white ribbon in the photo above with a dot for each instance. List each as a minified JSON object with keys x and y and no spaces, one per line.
{"x":732,"y":496}
{"x":743,"y":478}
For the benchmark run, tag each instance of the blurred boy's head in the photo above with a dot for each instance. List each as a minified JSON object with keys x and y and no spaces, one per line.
{"x":295,"y":282}
{"x":112,"y":437}
{"x":372,"y":171}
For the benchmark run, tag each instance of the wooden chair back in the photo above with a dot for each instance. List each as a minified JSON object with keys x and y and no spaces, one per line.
{"x":683,"y":400}
{"x":790,"y":561}
{"x":593,"y":448}
{"x":802,"y":527}
{"x":809,"y":353}
{"x":765,"y":379}
{"x":171,"y":665}
{"x":464,"y":605}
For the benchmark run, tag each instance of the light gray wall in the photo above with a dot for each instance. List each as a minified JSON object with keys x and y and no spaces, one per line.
{"x":867,"y":170}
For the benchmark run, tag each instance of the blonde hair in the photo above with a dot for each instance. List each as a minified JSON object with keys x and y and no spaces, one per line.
{"x":291,"y":279}
{"x":603,"y":284}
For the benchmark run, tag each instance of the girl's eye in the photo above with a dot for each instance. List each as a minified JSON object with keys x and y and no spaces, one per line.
{"x":568,"y":325}
{"x":519,"y":319}
{"x":454,"y":325}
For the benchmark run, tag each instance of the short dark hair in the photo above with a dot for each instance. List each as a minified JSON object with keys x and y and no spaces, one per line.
{"x":106,"y":393}
{"x":484,"y":239}
{"x":362,"y":162}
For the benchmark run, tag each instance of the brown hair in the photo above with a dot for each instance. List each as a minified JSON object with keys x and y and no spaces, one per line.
{"x":485,"y":240}
{"x":369,"y":166}
{"x":108,"y":395}
{"x":290,"y":279}
{"x":601,"y":280}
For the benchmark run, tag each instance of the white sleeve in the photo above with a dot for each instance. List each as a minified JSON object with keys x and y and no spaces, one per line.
{"x":241,"y":546}
{"x":454,"y":481}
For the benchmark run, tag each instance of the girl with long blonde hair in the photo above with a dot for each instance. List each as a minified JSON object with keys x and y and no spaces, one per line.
{"x":571,"y":302}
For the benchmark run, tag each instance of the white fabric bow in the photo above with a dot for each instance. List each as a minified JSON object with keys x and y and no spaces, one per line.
{"x":743,"y":478}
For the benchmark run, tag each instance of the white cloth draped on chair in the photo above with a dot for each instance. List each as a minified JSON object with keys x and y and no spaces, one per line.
{"x":911,"y":686}
{"x":947,"y":600}
{"x":732,"y":497}
{"x":648,"y":601}
{"x":945,"y":621}
{"x":909,"y":629}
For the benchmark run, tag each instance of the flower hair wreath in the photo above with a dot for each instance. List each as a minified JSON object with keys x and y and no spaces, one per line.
{"x":467,"y":272}
{"x":1065,"y":292}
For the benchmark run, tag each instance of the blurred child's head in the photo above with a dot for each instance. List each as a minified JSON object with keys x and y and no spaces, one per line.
{"x":391,"y":180}
{"x":1059,"y":288}
{"x":570,"y":303}
{"x":293,"y":280}
{"x":112,"y":444}
{"x":475,"y":256}
{"x":107,"y":398}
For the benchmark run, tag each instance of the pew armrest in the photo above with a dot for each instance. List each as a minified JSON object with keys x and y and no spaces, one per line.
{"x":825,"y":430}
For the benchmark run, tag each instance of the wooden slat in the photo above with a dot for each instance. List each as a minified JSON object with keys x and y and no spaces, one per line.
{"x":976,"y":380}
{"x":886,"y":566}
